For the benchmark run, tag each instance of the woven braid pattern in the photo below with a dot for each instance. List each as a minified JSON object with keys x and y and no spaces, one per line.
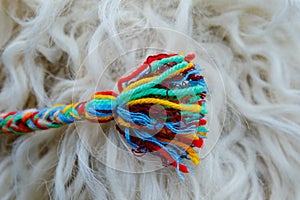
{"x":97,"y":109}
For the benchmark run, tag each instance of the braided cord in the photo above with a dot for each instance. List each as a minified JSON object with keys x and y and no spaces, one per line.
{"x":97,"y":109}
{"x":160,"y":110}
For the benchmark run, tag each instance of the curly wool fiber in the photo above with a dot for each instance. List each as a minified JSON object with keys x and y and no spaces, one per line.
{"x":44,"y":45}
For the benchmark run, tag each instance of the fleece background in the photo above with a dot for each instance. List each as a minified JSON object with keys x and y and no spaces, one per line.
{"x":47,"y":51}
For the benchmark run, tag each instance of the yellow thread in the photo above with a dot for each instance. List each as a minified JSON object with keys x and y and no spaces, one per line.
{"x":192,"y":153}
{"x":105,"y":118}
{"x":189,"y":65}
{"x":66,"y":108}
{"x":122,"y":122}
{"x":102,"y":96}
{"x":182,"y":145}
{"x":98,"y":118}
{"x":75,"y":116}
{"x":76,"y":104}
{"x":139,"y":82}
{"x":192,"y":108}
{"x":74,"y":107}
{"x":190,"y":137}
{"x":202,"y":133}
{"x":126,"y":124}
{"x":149,"y":79}
{"x":196,"y":137}
{"x":57,"y":105}
{"x":89,"y":116}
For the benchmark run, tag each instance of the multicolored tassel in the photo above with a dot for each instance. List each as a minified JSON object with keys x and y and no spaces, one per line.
{"x":160,"y":110}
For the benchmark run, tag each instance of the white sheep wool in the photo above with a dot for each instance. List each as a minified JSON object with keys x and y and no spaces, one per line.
{"x":62,"y":51}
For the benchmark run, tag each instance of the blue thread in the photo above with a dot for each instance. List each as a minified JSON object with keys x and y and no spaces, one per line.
{"x":127,"y":136}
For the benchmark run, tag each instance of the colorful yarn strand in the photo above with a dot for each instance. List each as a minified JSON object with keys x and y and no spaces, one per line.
{"x":97,"y":109}
{"x":160,"y":110}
